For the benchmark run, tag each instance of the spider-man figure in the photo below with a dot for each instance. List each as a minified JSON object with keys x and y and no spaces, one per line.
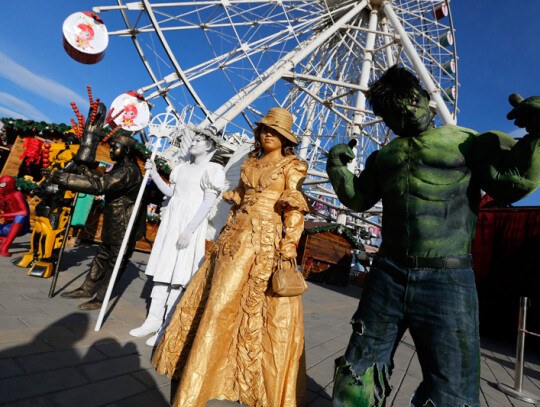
{"x":15,"y":214}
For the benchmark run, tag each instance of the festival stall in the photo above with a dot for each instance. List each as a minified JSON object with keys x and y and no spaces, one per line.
{"x":325,"y":252}
{"x":506,"y":259}
{"x":19,"y":163}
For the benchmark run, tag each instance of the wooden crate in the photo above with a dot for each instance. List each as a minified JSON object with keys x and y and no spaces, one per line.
{"x":325,"y":257}
{"x":13,"y":162}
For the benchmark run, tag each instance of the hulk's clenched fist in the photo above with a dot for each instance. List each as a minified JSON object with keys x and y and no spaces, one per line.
{"x":430,"y":181}
{"x":525,"y":113}
{"x":340,"y":155}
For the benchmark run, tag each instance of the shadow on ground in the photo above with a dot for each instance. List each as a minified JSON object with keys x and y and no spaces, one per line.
{"x":50,"y":370}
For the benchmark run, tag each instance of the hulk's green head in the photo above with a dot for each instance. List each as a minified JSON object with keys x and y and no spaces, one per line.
{"x":399,"y":99}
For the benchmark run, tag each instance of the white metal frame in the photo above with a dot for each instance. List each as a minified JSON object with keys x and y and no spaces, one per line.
{"x":326,"y":52}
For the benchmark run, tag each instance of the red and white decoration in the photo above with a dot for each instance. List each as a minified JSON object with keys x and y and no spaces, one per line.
{"x":449,"y":67}
{"x":135,"y":113}
{"x":85,"y":37}
{"x":446,"y":39}
{"x":440,"y":10}
{"x":449,"y":94}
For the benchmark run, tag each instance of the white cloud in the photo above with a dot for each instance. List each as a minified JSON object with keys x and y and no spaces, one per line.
{"x":42,"y":86}
{"x":26,"y":109}
{"x":10,"y":113}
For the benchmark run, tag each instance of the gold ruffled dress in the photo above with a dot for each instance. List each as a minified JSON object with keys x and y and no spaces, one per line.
{"x":230,"y":336}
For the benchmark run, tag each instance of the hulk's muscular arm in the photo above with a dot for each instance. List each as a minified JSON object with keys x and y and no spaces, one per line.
{"x":506,"y":170}
{"x":358,"y":193}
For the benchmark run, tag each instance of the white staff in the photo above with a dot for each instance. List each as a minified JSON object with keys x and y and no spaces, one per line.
{"x":162,"y":132}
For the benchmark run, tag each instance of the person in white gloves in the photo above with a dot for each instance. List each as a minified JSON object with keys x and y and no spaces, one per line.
{"x":179,"y":247}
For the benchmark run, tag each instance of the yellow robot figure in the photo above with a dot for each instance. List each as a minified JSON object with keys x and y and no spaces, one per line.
{"x":46,"y":240}
{"x":51,"y":214}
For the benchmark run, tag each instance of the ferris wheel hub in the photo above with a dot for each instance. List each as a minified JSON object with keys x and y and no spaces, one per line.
{"x":376,"y":4}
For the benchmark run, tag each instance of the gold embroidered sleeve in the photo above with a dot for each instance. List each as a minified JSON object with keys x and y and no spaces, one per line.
{"x":293,"y":205}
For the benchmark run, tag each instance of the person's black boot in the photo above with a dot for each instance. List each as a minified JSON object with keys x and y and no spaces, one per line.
{"x":77,"y":293}
{"x":91,"y":305}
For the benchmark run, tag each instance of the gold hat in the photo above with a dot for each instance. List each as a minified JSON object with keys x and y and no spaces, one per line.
{"x":281,"y":121}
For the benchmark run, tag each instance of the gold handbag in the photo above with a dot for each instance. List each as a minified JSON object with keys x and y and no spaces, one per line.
{"x":287,"y":281}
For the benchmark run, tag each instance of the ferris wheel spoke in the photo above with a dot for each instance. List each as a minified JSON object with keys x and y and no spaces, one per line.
{"x":443,"y":111}
{"x":310,"y":45}
{"x":303,"y":55}
{"x":177,"y":67}
{"x":148,"y":67}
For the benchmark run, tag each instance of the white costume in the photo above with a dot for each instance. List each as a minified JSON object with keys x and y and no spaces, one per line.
{"x":179,"y":247}
{"x":189,"y":183}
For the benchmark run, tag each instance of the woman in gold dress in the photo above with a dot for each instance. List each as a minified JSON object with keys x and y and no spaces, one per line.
{"x":231,"y":337}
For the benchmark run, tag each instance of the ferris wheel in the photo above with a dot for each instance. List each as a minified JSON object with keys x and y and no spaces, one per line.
{"x":229,"y":61}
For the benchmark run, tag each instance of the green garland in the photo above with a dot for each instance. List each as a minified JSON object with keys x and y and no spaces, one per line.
{"x":141,"y":148}
{"x":29,"y":128}
{"x":24,"y":185}
{"x":161,"y":164}
{"x":341,"y":230}
{"x":322,"y":228}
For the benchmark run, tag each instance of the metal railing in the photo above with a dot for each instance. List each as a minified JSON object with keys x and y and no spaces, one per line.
{"x":518,"y":392}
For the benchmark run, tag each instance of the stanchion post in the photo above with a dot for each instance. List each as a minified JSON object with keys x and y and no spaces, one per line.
{"x":520,"y":348}
{"x":518,"y":392}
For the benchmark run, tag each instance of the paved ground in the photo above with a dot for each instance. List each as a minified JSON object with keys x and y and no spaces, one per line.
{"x":50,"y":354}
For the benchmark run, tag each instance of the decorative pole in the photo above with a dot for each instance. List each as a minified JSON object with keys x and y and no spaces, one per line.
{"x":63,"y":246}
{"x":163,"y":131}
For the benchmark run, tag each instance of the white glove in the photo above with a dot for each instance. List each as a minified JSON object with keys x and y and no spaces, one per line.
{"x":184,"y":239}
{"x":165,"y":188}
{"x":149,"y":165}
{"x":207,"y":203}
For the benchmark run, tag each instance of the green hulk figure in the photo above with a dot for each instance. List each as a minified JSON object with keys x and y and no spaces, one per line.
{"x":430,"y":181}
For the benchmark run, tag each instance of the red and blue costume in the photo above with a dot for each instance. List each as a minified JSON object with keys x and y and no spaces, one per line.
{"x":15,"y":214}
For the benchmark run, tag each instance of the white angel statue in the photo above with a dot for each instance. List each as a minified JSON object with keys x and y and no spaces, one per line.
{"x":179,"y":247}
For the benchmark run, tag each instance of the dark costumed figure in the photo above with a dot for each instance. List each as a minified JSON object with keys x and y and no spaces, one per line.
{"x":120,"y":187}
{"x":430,"y":181}
{"x":14,"y":212}
{"x":53,"y":212}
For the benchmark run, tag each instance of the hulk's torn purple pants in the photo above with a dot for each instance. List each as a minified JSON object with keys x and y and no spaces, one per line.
{"x":440,"y":309}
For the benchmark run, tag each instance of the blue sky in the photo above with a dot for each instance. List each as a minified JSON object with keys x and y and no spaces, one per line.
{"x":496,"y":44}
